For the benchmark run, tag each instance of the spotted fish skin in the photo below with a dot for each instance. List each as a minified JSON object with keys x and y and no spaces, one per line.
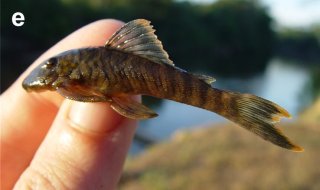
{"x":110,"y":72}
{"x":133,"y":62}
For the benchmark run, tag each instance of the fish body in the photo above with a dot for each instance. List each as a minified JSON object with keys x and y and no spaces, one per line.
{"x":133,"y":62}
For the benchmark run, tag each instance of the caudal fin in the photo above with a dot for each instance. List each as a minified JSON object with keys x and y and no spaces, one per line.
{"x":256,"y":115}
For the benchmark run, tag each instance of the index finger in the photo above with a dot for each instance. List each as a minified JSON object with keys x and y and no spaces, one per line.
{"x":26,"y":117}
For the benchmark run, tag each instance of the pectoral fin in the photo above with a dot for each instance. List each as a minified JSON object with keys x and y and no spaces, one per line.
{"x":80,"y":95}
{"x":131,"y":109}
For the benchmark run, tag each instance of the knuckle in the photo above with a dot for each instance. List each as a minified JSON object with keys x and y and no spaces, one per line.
{"x":38,"y":179}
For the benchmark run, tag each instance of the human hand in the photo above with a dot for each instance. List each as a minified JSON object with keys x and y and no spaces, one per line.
{"x":51,"y":143}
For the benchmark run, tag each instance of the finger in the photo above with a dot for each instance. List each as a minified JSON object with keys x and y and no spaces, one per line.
{"x":26,"y":117}
{"x":84,"y":149}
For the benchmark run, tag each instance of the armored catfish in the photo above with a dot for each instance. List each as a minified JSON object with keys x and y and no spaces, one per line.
{"x":133,"y":62}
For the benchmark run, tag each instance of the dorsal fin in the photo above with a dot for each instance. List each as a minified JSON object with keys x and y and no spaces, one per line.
{"x":205,"y":78}
{"x":138,"y":37}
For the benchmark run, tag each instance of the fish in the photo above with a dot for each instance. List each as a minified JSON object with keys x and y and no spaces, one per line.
{"x":134,"y":62}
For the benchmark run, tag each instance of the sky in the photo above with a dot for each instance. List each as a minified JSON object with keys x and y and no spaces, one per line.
{"x":289,"y":13}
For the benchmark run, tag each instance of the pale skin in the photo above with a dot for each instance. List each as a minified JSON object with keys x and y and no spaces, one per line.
{"x":48,"y":142}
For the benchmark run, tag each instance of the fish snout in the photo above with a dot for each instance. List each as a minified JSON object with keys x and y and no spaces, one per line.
{"x":33,"y":83}
{"x":37,"y":80}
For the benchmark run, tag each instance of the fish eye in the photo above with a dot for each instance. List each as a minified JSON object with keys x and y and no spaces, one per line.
{"x":51,"y":63}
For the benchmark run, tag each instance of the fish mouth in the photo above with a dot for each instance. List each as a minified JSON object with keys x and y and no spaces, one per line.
{"x":41,"y":78}
{"x":35,"y":83}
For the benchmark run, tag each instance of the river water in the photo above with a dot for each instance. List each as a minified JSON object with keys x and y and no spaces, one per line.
{"x":282,"y":82}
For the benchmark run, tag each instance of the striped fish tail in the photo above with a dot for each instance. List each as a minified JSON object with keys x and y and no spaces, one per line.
{"x":254,"y":114}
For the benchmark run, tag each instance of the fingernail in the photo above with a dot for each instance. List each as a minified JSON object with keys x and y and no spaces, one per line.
{"x":94,"y":117}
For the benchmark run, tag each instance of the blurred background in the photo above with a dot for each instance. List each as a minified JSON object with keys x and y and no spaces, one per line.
{"x":266,"y":47}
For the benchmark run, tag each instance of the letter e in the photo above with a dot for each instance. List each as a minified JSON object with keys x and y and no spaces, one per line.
{"x":18,"y":19}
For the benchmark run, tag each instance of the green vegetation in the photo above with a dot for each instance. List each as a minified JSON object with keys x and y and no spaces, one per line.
{"x":315,"y":82}
{"x":226,"y":37}
{"x":227,"y":157}
{"x":299,"y":44}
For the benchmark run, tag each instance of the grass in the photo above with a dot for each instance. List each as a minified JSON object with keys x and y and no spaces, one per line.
{"x":227,"y":157}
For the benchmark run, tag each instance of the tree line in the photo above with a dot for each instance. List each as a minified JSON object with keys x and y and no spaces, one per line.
{"x":227,"y":37}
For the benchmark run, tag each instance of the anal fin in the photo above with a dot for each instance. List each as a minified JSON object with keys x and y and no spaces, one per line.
{"x":129,"y":108}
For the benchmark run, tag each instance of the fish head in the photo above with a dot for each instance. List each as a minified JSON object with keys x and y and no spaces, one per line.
{"x":50,"y":74}
{"x":42,"y":77}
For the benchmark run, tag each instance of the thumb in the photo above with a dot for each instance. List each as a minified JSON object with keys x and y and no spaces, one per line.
{"x":84,"y":149}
